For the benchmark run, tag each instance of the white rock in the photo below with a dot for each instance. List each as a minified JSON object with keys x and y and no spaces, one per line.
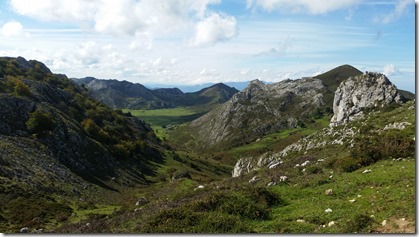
{"x":329,"y":192}
{"x":328,"y":210}
{"x":352,"y":200}
{"x":330,"y":224}
{"x":283,"y":178}
{"x":301,"y":221}
{"x":199,"y":187}
{"x":384,"y":223}
{"x":254,"y":179}
{"x":366,"y":171}
{"x":270,"y":184}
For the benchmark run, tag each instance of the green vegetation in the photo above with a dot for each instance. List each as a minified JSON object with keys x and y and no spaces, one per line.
{"x":91,"y":169}
{"x":39,"y":122}
{"x":165,"y":117}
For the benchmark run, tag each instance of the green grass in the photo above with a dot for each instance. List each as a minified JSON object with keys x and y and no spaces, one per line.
{"x":278,"y":141}
{"x":387,"y":192}
{"x":164,"y":117}
{"x":83,"y":214}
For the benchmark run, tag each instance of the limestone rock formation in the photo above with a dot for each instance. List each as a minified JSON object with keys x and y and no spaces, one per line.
{"x":257,"y":110}
{"x":364,"y":91}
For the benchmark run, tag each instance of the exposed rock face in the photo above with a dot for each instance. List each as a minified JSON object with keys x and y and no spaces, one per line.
{"x":67,"y":151}
{"x":258,"y":110}
{"x":351,"y":97}
{"x":359,"y":92}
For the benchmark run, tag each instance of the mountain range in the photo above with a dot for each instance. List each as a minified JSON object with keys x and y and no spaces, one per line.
{"x":127,"y":95}
{"x":312,"y":155}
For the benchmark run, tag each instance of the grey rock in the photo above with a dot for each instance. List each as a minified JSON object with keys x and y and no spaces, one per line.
{"x":257,"y":110}
{"x":364,"y":91}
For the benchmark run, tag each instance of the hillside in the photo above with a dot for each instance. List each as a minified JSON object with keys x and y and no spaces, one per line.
{"x":57,"y":143}
{"x":269,"y":159}
{"x":127,"y":95}
{"x":262,"y":109}
{"x":320,"y":184}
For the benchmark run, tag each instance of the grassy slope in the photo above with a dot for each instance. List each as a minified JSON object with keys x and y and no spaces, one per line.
{"x":386,"y":193}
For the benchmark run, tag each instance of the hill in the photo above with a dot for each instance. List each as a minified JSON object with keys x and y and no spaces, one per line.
{"x":57,"y":142}
{"x":127,"y":95}
{"x":261,"y":109}
{"x":284,"y":162}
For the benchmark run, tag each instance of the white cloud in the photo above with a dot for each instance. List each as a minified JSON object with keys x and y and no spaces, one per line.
{"x":12,"y":28}
{"x":390,"y":70}
{"x":296,"y":6}
{"x":244,"y":72}
{"x":157,"y":62}
{"x":213,"y":29}
{"x":142,"y":41}
{"x":208,"y":72}
{"x":398,"y":11}
{"x":279,"y":51}
{"x":122,"y":17}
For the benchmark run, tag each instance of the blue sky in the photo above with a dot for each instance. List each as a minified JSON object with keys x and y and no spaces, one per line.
{"x":174,"y":42}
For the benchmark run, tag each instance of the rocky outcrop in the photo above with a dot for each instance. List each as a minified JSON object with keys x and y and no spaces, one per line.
{"x":364,"y":91}
{"x":257,"y":110}
{"x":351,"y":97}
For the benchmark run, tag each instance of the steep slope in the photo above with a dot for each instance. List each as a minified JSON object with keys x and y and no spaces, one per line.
{"x":127,"y":95}
{"x":355,"y":98}
{"x":55,"y":139}
{"x":122,"y":94}
{"x":334,"y":77}
{"x":258,"y":110}
{"x":361,"y":92}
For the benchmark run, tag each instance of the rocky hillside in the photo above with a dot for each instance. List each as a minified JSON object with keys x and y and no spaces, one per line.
{"x":55,"y":139}
{"x":127,"y":95}
{"x":361,"y":92}
{"x":354,"y":99}
{"x":261,"y":109}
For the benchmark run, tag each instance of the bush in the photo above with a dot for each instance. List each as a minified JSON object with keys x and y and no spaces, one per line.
{"x":347,"y":164}
{"x":371,"y":146}
{"x":21,"y":89}
{"x":360,"y":224}
{"x":39,"y":122}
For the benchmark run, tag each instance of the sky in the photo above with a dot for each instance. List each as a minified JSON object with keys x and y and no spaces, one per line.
{"x":189,"y":42}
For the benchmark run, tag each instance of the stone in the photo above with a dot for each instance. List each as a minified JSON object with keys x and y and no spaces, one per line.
{"x":270,"y":184}
{"x":364,"y":91}
{"x":328,"y":192}
{"x":24,"y":230}
{"x":254,"y":179}
{"x":199,"y":187}
{"x":330,"y":224}
{"x":141,"y":201}
{"x":328,"y":210}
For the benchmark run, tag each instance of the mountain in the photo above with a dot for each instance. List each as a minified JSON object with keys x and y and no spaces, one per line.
{"x":57,"y":142}
{"x":193,"y":88}
{"x":353,"y":99}
{"x":257,"y":110}
{"x":261,"y":109}
{"x":127,"y":95}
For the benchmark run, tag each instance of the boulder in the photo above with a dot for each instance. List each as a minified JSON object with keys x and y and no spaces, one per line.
{"x":368,"y":90}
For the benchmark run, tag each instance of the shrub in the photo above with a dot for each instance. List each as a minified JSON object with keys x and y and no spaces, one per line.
{"x":347,"y":164}
{"x":360,"y":223}
{"x":39,"y":122}
{"x":21,"y":89}
{"x":371,"y":146}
